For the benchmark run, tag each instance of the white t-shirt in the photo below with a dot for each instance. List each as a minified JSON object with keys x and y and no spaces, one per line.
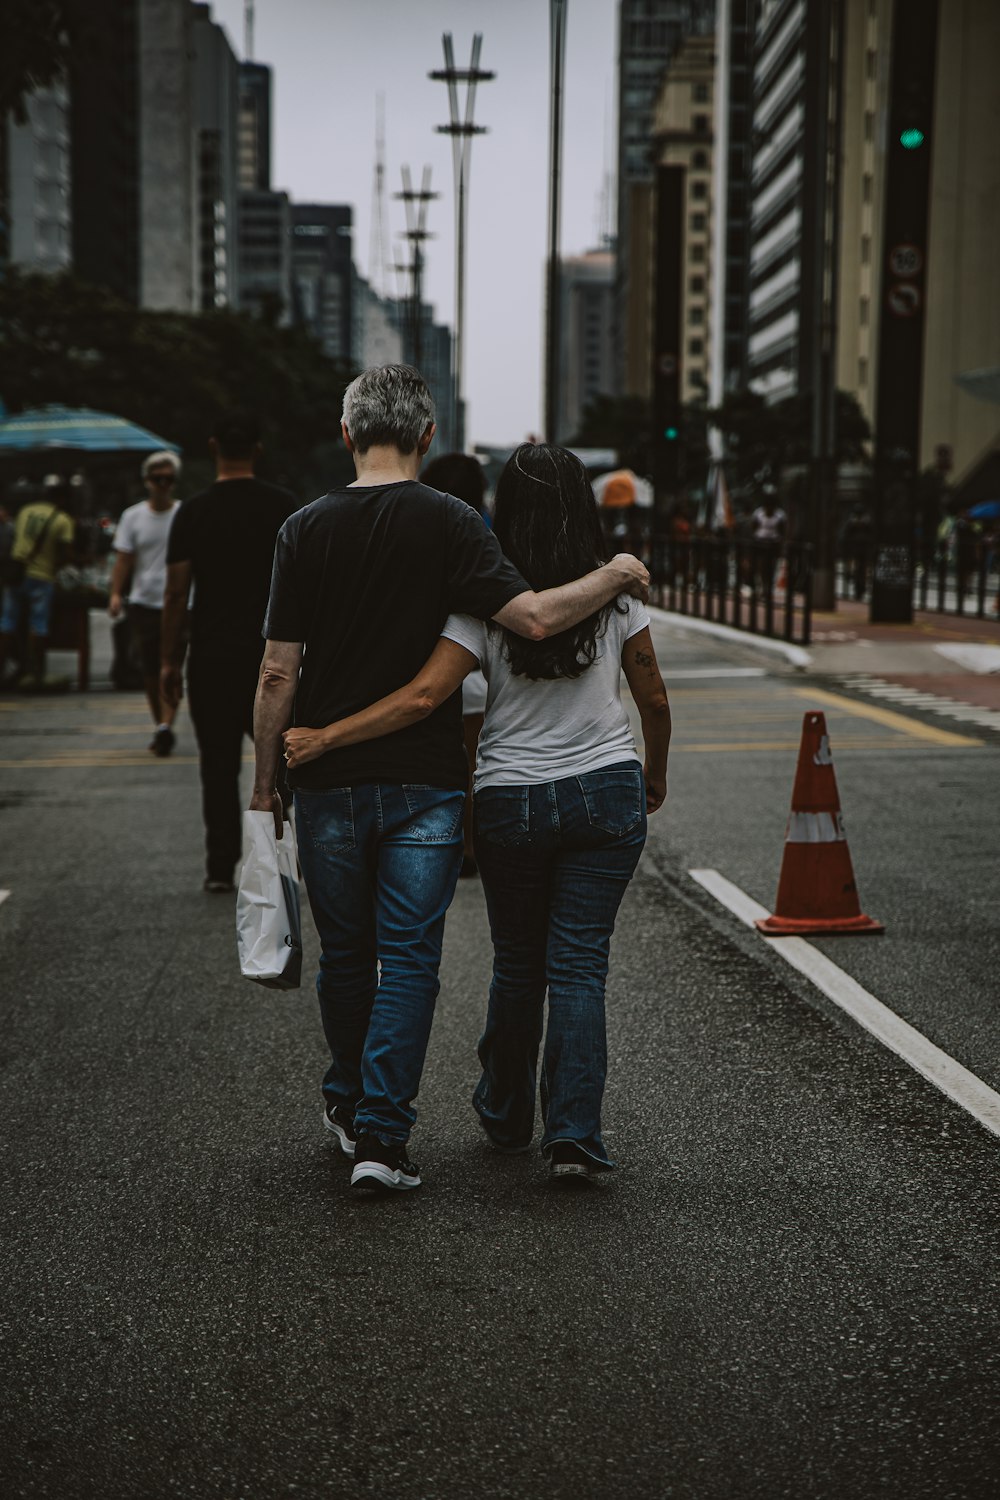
{"x":545,"y":730}
{"x":143,"y":531}
{"x":767,"y":528}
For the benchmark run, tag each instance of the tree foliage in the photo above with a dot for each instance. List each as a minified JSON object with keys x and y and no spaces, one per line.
{"x":62,"y":340}
{"x":760,"y":436}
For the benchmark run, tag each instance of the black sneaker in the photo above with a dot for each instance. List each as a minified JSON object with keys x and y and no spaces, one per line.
{"x":377,"y":1165}
{"x":568,"y":1160}
{"x":341,"y":1124}
{"x":164,"y":741}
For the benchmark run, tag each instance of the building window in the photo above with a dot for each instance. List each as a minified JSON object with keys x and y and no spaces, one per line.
{"x":697,"y":252}
{"x":699,"y":189}
{"x":700,"y":124}
{"x":862,"y":372}
{"x":696,"y":284}
{"x":866,"y":187}
{"x":696,"y":346}
{"x":871,"y":63}
{"x":698,"y":223}
{"x":869,"y":125}
{"x":699,"y":159}
{"x":866,"y":250}
{"x":696,"y":315}
{"x":701,"y":93}
{"x":864,"y":309}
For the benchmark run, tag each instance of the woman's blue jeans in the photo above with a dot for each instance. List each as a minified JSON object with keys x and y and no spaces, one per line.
{"x":381,"y":864}
{"x":555,"y":861}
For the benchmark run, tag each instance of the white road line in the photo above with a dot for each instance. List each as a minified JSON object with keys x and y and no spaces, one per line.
{"x":961,"y":1086}
{"x":715,"y":672}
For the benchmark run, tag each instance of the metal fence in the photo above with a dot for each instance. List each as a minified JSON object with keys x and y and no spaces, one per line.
{"x":939,"y":584}
{"x":746,"y":585}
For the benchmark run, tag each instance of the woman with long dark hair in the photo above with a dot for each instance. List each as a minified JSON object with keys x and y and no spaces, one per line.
{"x":561,"y":799}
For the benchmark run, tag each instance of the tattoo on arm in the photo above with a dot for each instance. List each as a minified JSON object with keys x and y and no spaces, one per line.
{"x":648,"y":660}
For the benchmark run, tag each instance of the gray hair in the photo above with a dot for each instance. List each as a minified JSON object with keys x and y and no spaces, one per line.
{"x":157,"y":460}
{"x":388,"y":405}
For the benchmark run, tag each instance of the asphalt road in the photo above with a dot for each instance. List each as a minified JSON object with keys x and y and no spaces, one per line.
{"x":789,"y":1287}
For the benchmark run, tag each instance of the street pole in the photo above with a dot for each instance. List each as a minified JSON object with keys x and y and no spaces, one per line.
{"x":416,"y":202}
{"x":461,"y":129}
{"x":553,"y":330}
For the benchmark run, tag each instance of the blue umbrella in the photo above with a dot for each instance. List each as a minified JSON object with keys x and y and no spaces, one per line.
{"x":986,"y":510}
{"x":78,"y":429}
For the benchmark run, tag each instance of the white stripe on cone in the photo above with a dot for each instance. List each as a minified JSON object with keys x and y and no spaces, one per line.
{"x":815,"y":828}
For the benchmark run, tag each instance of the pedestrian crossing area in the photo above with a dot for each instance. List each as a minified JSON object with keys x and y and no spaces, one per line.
{"x":911,"y":697}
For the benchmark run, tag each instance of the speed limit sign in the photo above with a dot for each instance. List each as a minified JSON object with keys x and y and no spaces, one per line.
{"x":905,"y":260}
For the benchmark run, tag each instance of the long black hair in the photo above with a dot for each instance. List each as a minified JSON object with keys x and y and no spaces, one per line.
{"x":546,"y":520}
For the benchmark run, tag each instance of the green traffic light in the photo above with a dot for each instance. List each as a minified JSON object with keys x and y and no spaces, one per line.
{"x":911,"y":139}
{"x":671,"y":434}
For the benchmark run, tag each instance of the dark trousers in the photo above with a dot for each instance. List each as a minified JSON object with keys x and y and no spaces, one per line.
{"x":221,"y":691}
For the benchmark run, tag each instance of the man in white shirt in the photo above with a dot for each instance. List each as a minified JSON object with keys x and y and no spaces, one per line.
{"x":140,"y":571}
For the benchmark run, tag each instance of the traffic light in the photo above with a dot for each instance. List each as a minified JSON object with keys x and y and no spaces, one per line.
{"x":671,"y":433}
{"x":912,"y":138}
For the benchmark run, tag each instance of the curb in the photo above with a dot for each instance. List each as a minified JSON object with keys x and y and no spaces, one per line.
{"x":796,"y":656}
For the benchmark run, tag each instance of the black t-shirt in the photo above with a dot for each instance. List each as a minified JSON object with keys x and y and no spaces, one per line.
{"x":227,"y":533}
{"x":366,"y":578}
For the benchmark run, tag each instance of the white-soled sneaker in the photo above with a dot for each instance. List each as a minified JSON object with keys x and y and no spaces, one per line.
{"x":568,"y":1160}
{"x":378,"y":1166}
{"x":340,"y":1124}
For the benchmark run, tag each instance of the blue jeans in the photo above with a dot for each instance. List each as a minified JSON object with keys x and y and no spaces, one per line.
{"x":555,"y":861}
{"x":381,"y":864}
{"x":33,"y":597}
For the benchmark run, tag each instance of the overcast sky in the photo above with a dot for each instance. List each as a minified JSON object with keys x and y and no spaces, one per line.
{"x":332,"y":57}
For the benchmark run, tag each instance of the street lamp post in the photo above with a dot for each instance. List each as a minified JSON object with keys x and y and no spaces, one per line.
{"x":416,"y":201}
{"x":461,"y":129}
{"x":553,"y":321}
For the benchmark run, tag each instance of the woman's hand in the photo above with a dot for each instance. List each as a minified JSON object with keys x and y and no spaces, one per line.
{"x":303,"y":744}
{"x":656,"y":790}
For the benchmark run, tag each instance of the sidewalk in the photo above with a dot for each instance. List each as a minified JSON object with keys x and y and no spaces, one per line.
{"x":957,"y":657}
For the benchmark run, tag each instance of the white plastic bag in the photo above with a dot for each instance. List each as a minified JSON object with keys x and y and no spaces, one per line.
{"x":268,"y":916}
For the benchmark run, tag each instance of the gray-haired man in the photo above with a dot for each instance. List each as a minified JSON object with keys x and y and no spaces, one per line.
{"x":364,"y":580}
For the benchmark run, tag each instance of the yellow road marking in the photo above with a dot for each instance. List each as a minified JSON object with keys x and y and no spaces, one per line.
{"x":884,"y":716}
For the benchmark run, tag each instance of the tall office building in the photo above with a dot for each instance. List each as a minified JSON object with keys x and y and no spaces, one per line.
{"x":36,"y":184}
{"x":586,"y":353}
{"x":731,"y":197}
{"x":265,"y":256}
{"x":793,"y":245}
{"x":255,"y":127}
{"x":683,"y":138}
{"x":166,"y":128}
{"x":322,"y":272}
{"x":649,"y":33}
{"x":376,"y":327}
{"x":216,"y":105}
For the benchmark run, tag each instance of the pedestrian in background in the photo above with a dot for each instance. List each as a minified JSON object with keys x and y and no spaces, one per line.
{"x":43,"y":543}
{"x":560,"y":807}
{"x":140,"y":573}
{"x":364,"y":580}
{"x":462,"y":475}
{"x":222,"y":541}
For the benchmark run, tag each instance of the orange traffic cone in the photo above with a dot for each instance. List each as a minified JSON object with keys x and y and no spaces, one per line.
{"x":816,"y":890}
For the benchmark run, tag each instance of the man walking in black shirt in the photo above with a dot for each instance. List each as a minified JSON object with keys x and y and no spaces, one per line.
{"x":222,"y":541}
{"x":364,"y":580}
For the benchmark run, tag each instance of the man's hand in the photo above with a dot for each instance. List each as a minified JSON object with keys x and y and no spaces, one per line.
{"x":656,"y":790}
{"x":635,"y":576}
{"x":115,"y":606}
{"x":171,"y":685}
{"x":269,"y":801}
{"x":302,"y":744}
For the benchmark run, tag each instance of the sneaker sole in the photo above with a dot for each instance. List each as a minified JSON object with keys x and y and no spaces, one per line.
{"x":346,"y":1144}
{"x":570,"y":1169}
{"x":374,"y":1176}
